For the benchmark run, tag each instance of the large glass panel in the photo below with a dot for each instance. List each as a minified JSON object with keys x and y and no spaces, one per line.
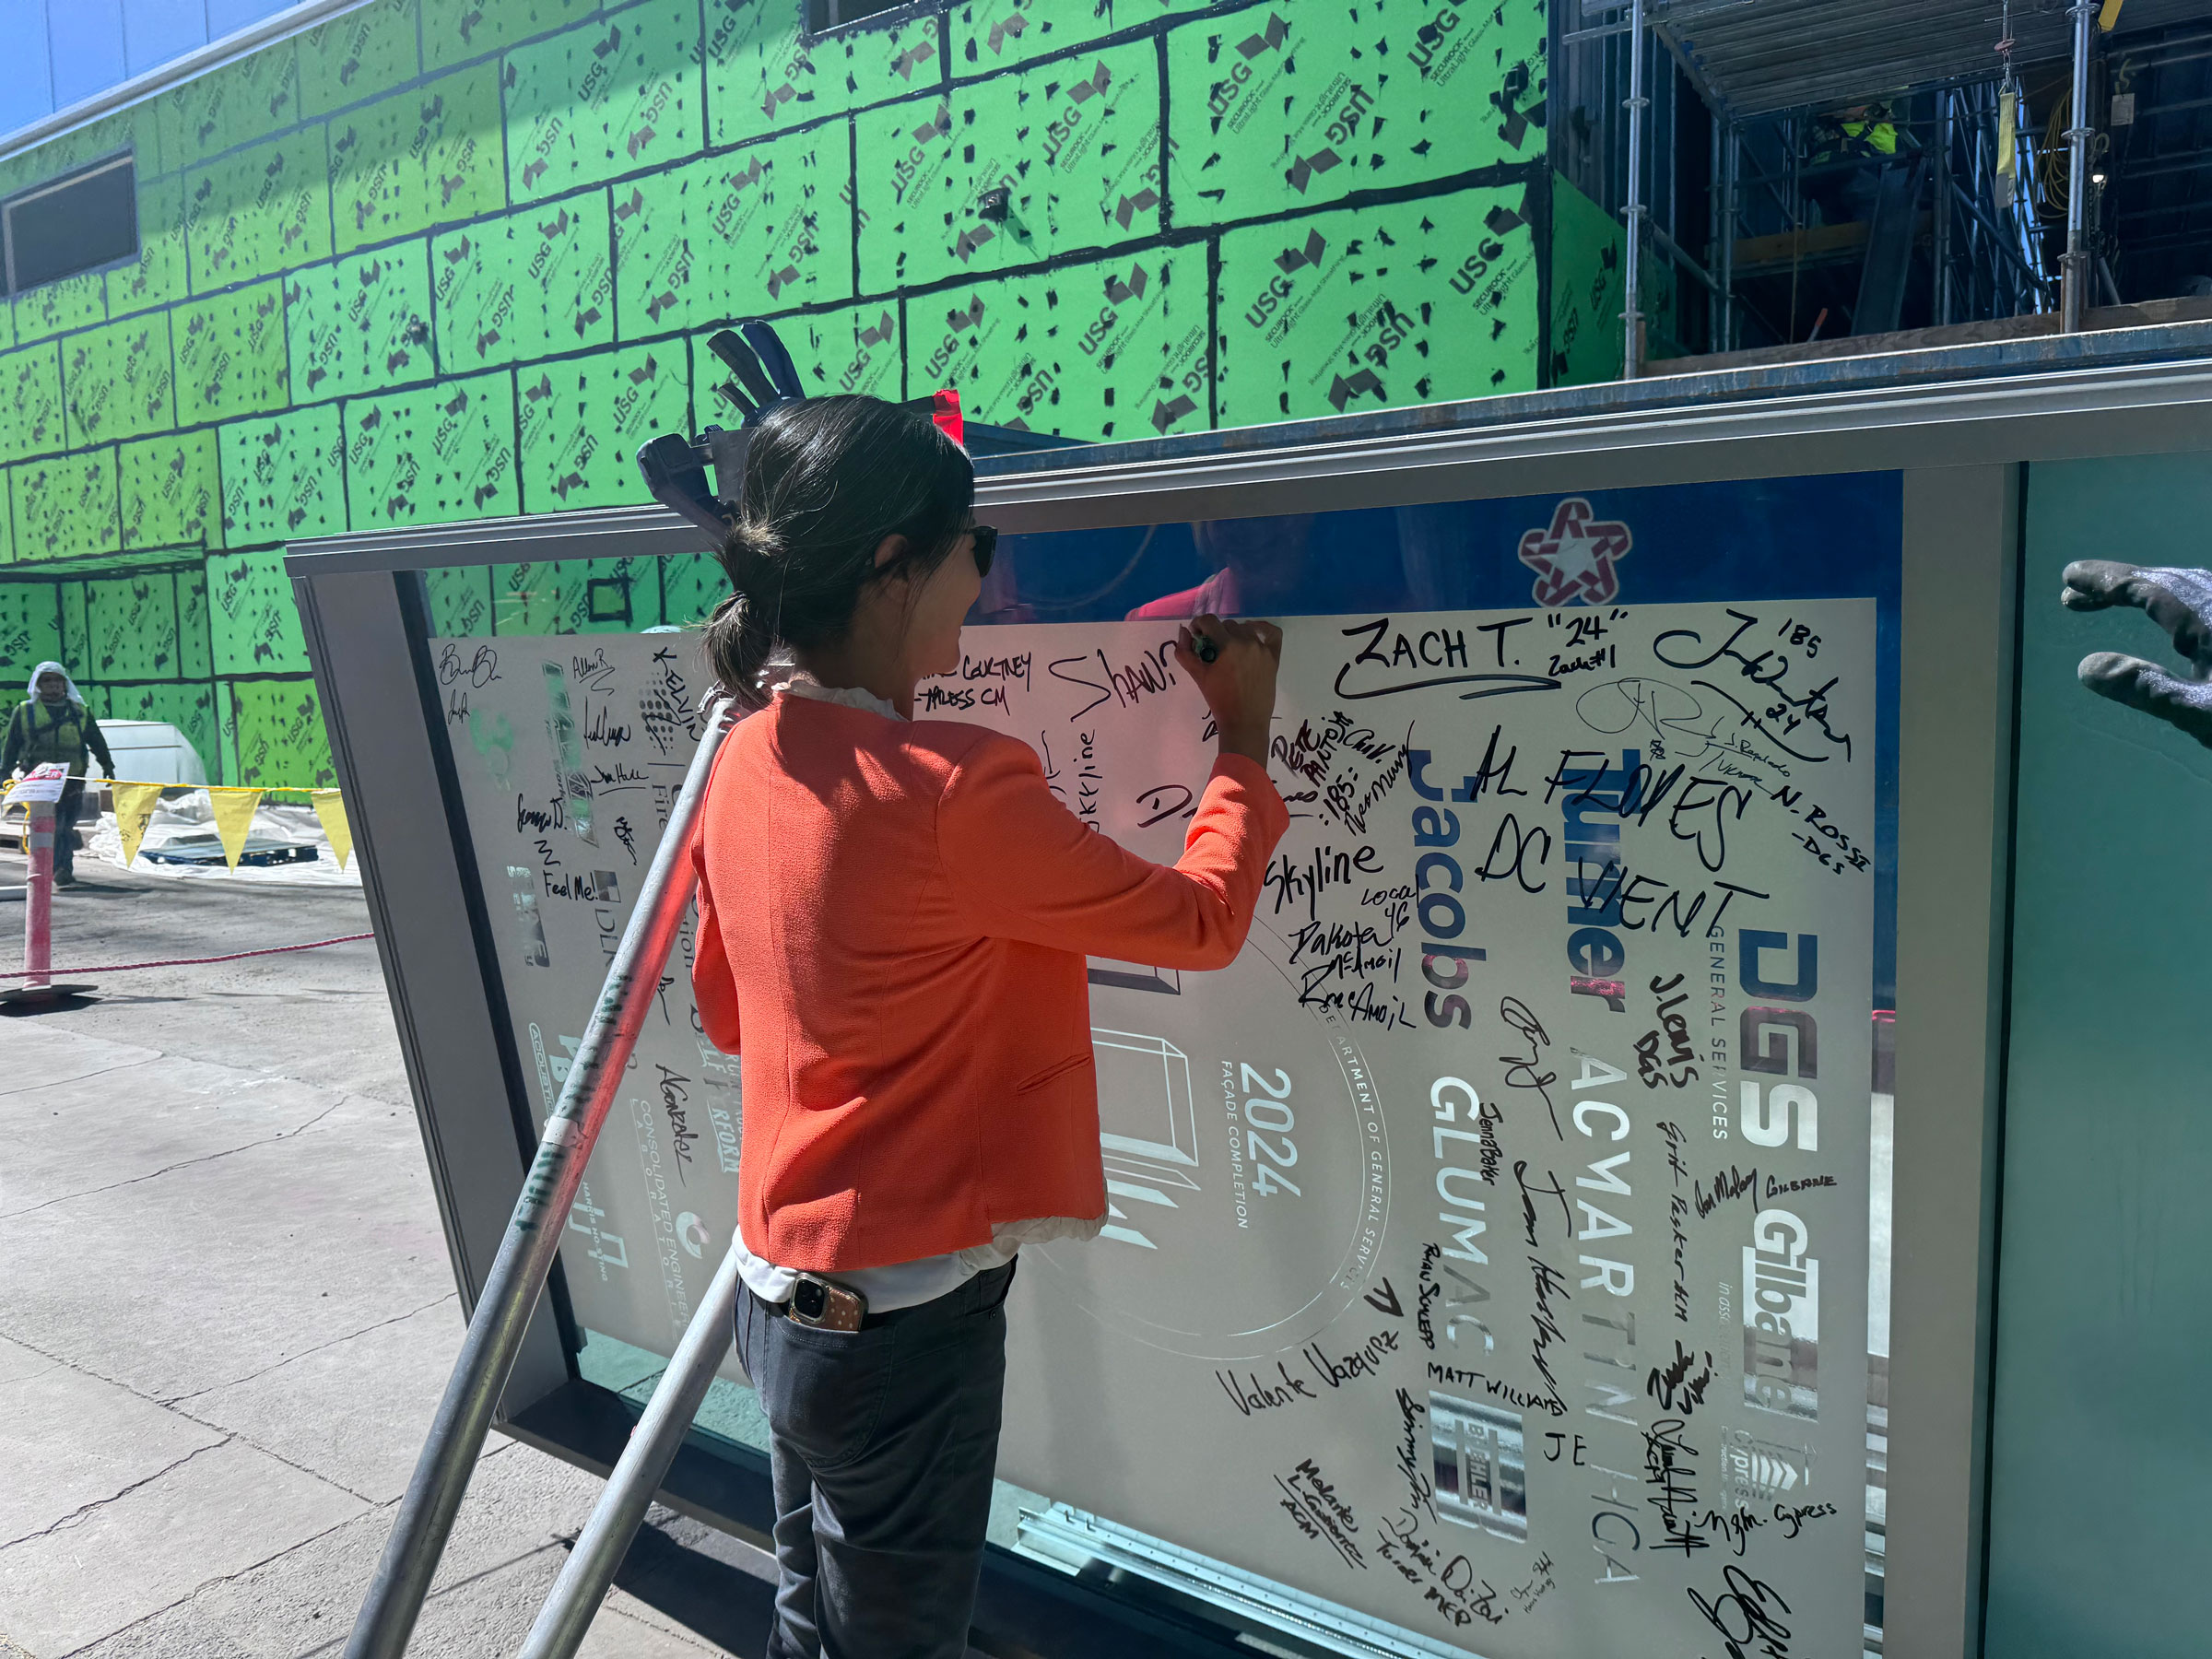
{"x":2103,"y":1293}
{"x":1491,"y":1245}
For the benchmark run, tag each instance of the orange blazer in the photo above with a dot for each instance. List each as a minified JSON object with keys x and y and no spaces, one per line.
{"x":900,"y":911}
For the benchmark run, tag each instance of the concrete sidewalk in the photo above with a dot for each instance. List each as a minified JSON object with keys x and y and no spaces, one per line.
{"x":225,"y":1312}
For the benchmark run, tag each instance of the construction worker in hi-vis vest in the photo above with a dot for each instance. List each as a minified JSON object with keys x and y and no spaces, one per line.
{"x":53,"y":726}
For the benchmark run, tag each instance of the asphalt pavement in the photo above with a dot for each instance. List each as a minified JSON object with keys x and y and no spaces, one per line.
{"x":226,"y":1314}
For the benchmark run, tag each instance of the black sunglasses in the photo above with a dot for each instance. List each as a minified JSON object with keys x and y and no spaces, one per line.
{"x":986,"y":547}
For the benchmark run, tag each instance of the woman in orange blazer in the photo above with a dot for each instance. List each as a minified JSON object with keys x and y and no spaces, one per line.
{"x":894,"y":917}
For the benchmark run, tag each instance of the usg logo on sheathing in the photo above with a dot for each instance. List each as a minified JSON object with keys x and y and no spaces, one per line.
{"x":1120,"y":293}
{"x":1271,"y":39}
{"x":1291,"y":260}
{"x":1301,"y":170}
{"x":1128,"y":207}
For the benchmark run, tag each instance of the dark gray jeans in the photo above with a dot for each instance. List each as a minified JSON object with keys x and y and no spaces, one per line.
{"x":884,"y":1443}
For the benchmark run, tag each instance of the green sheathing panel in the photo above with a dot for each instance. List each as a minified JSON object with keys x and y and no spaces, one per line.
{"x":280,"y":734}
{"x":1002,"y":34}
{"x":432,"y":456}
{"x":357,"y":55}
{"x":607,"y":96}
{"x":692,"y":584}
{"x":247,"y":99}
{"x":169,"y":494}
{"x":853,"y":349}
{"x":189,"y":705}
{"x":1586,"y":331}
{"x":430,"y":156}
{"x":55,"y":307}
{"x":358,"y":324}
{"x":30,"y":633}
{"x":762,"y":78}
{"x":583,"y":421}
{"x":526,"y":285}
{"x":135,"y":129}
{"x":77,"y":644}
{"x":229,"y":354}
{"x":456,"y":30}
{"x":1102,"y":349}
{"x":761,"y":230}
{"x":30,"y":401}
{"x":195,"y":653}
{"x":576,"y":596}
{"x":1377,"y":308}
{"x":283,"y":476}
{"x":159,"y":276}
{"x":7,"y":528}
{"x":256,"y":626}
{"x":460,"y":601}
{"x":259,"y":210}
{"x":66,"y":506}
{"x":1283,"y":107}
{"x":119,"y":381}
{"x":133,"y":621}
{"x":1074,"y":144}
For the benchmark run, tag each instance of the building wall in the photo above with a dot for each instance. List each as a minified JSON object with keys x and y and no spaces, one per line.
{"x":444,"y":259}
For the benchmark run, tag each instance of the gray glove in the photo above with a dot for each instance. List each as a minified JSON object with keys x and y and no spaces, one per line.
{"x":2180,"y":602}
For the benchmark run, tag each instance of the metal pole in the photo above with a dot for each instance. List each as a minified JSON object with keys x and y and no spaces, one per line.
{"x":1730,"y":166}
{"x":1632,"y":358}
{"x":1712,"y":238}
{"x":1942,"y":207}
{"x":518,"y":1273}
{"x":1974,"y":224}
{"x":2074,"y":267}
{"x":591,"y":1566}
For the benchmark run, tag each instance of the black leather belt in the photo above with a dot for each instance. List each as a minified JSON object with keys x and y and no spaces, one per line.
{"x":869,"y":1320}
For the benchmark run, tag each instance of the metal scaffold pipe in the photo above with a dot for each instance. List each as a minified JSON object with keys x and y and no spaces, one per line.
{"x":1632,"y":312}
{"x":518,"y":1273}
{"x":2074,"y":267}
{"x":566,"y":1616}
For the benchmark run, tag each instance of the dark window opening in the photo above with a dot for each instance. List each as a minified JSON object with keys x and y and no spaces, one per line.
{"x":79,"y":222}
{"x":824,"y":15}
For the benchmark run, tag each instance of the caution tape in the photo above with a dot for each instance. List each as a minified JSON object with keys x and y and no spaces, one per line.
{"x":235,"y":956}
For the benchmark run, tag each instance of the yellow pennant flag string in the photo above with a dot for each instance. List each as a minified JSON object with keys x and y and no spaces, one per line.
{"x":233,"y":817}
{"x":134,"y":805}
{"x":332,"y":811}
{"x":234,"y":808}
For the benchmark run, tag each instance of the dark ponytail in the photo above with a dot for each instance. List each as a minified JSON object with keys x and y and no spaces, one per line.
{"x":826,"y":481}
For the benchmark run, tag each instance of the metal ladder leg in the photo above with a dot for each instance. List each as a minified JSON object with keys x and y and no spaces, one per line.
{"x":583,"y":1582}
{"x":518,"y":1273}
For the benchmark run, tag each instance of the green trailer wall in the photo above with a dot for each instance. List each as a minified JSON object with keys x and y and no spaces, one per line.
{"x":444,"y":259}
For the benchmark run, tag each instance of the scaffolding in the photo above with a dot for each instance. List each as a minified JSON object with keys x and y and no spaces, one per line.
{"x":1789,"y":172}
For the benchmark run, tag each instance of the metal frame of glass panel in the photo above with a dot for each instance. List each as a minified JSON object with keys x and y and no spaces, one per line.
{"x":1958,"y":425}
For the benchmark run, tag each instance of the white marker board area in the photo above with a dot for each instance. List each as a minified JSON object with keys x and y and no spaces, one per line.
{"x":1474,"y":1236}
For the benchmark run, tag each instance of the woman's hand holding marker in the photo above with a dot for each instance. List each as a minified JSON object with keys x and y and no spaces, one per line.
{"x":1233,"y":666}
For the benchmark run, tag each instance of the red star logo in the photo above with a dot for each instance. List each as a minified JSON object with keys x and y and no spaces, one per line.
{"x":1573,"y":559}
